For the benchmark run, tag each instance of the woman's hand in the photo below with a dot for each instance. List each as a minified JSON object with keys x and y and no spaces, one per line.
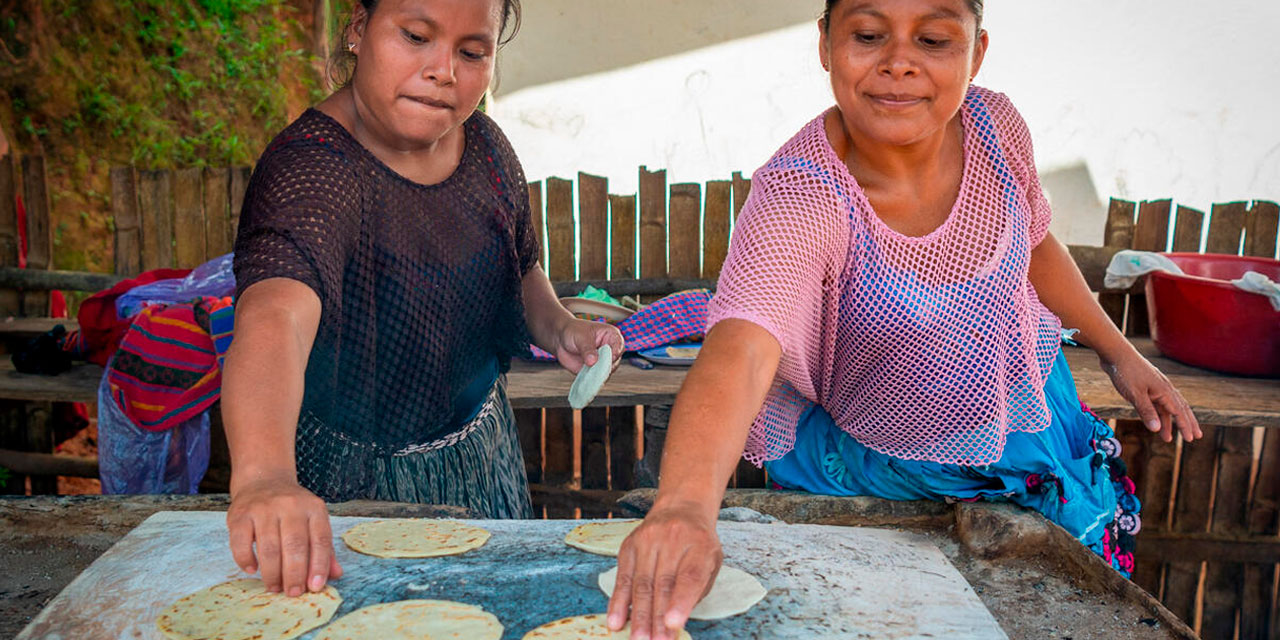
{"x":291,"y":528}
{"x":577,"y":342}
{"x":1159,"y":404}
{"x":664,"y":568}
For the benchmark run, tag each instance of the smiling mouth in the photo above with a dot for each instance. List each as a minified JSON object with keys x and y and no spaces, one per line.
{"x":431,"y":102}
{"x":896,"y":99}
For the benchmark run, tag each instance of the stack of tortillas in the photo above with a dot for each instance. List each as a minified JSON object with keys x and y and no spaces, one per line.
{"x":584,"y":627}
{"x":603,"y":538}
{"x":416,"y":619}
{"x":414,"y":538}
{"x":243,"y":609}
{"x":735,"y":591}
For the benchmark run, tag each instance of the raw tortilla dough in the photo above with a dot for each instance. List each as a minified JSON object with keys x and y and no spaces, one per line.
{"x":734,"y":592}
{"x":244,"y":609}
{"x":414,"y":538}
{"x":414,"y":620}
{"x":584,"y":628}
{"x":591,"y":379}
{"x":603,"y":538}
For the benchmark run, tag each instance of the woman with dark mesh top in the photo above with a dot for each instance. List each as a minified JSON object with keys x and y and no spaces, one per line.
{"x":387,"y":271}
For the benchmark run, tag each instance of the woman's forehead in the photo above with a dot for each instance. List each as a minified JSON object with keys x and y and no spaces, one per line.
{"x":481,"y":18}
{"x":917,"y":10}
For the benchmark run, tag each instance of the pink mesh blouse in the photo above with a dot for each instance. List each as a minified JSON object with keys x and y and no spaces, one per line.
{"x":924,"y":348}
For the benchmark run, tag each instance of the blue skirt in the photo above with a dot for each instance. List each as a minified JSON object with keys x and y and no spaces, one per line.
{"x":1070,"y":472}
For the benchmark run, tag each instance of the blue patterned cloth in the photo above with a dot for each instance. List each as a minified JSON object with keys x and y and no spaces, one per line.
{"x":1070,"y":472}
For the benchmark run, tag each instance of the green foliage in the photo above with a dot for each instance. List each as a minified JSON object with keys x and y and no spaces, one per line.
{"x":5,"y":476}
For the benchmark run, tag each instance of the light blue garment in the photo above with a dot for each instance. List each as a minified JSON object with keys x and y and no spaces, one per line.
{"x":827,"y":460}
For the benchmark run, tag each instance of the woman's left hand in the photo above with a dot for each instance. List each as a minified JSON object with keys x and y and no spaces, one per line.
{"x":1159,"y":404}
{"x":579,"y":340}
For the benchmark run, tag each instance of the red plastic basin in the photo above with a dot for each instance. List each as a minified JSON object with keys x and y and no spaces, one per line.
{"x":1203,"y":320}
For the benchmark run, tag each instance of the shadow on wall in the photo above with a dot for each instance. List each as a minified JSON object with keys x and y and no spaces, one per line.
{"x":562,"y":39}
{"x":1078,"y":215}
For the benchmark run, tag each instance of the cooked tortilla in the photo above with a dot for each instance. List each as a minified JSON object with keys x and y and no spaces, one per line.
{"x":245,"y":610}
{"x":414,"y":538}
{"x":414,"y":620}
{"x":603,"y":538}
{"x":589,"y":627}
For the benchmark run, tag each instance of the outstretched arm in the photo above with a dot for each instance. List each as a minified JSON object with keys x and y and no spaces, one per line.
{"x":1063,"y":290}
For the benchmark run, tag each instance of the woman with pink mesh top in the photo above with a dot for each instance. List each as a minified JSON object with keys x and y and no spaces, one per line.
{"x":889,"y":319}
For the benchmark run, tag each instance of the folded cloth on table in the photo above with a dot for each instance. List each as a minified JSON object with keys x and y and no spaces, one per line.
{"x":679,"y":316}
{"x":166,"y":370}
{"x":1128,"y":265}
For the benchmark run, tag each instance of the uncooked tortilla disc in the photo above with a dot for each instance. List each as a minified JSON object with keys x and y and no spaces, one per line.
{"x":244,"y":609}
{"x":734,"y":592}
{"x":603,"y":538}
{"x":591,"y":378}
{"x":414,"y":538}
{"x":589,"y":627}
{"x":414,"y":620}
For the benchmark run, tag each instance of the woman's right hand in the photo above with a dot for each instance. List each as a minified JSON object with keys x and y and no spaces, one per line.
{"x":664,"y":568}
{"x":290,"y":527}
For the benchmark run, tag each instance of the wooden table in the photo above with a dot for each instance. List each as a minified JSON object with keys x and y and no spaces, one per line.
{"x":1216,"y":398}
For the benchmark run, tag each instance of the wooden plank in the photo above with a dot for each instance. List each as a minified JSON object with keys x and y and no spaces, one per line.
{"x":239,"y":185}
{"x":537,"y":219}
{"x":155,"y":203}
{"x":558,"y":454}
{"x":13,"y":426}
{"x":1186,"y":232}
{"x":1223,"y":580}
{"x":188,"y":219}
{"x":217,"y":223}
{"x":128,"y":223}
{"x":1191,"y":515}
{"x":653,"y":223}
{"x":684,"y":236}
{"x":1151,"y":233}
{"x":622,"y":227}
{"x":715,"y":227}
{"x":741,"y":189}
{"x":1261,"y":227}
{"x":1226,"y":223}
{"x":560,"y":230}
{"x":595,"y":456}
{"x":40,"y":440}
{"x":1198,"y":547}
{"x":35,"y":190}
{"x":10,"y":300}
{"x":623,"y":439}
{"x":1118,"y":234}
{"x":1153,"y":464}
{"x":593,"y":227}
{"x":529,"y":429}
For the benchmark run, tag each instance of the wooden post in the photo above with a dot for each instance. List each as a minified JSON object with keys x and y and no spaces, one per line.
{"x":188,"y":219}
{"x":1186,"y":233}
{"x":529,"y":428}
{"x":741,"y":189}
{"x":10,"y":300}
{"x":537,"y":221}
{"x":155,"y":202}
{"x":35,"y":190}
{"x":1261,"y":226}
{"x":593,"y":227}
{"x":685,"y":239}
{"x":622,"y":226}
{"x":560,"y":230}
{"x":1150,"y":234}
{"x":558,"y":424}
{"x":715,"y":227}
{"x":217,"y":223}
{"x":239,"y":186}
{"x":1258,"y":598}
{"x":1191,"y":515}
{"x":1119,"y":234}
{"x":124,"y":210}
{"x":1225,"y":225}
{"x":653,"y":223}
{"x":1151,"y":462}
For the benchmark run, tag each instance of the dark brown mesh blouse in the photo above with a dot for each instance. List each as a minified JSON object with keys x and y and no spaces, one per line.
{"x":419,"y":286}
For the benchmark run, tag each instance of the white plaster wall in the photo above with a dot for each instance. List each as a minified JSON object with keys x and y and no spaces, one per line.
{"x":1141,"y":99}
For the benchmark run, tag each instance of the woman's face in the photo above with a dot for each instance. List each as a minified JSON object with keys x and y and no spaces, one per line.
{"x":900,"y":68}
{"x":423,"y":66}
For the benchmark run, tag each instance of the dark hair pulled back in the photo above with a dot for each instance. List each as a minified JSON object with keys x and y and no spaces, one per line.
{"x":342,"y":62}
{"x":975,"y":7}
